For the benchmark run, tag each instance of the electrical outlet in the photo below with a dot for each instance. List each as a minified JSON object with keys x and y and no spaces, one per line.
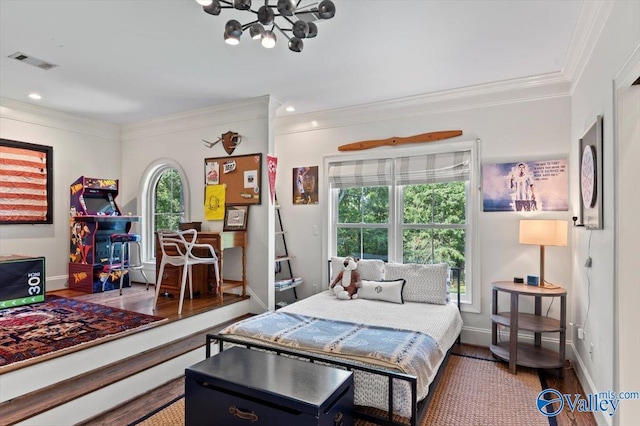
{"x":314,"y":230}
{"x":580,"y":333}
{"x":591,"y":351}
{"x":315,"y":288}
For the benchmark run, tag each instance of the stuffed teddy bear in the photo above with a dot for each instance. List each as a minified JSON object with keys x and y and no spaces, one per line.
{"x":345,"y":286}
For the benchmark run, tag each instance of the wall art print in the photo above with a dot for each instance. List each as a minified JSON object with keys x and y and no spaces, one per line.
{"x":26,"y":183}
{"x":305,"y":185}
{"x":524,"y":186}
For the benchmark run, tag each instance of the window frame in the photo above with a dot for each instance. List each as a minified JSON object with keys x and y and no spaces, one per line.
{"x":150,"y":179}
{"x":471,"y":302}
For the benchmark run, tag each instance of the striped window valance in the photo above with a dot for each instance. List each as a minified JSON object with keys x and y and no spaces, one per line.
{"x":433,"y":168}
{"x":360,"y":173}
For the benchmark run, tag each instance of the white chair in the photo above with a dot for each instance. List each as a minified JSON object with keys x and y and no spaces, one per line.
{"x":177,"y":250}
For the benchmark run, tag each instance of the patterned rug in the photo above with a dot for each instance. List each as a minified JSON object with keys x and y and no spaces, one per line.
{"x":59,"y":325}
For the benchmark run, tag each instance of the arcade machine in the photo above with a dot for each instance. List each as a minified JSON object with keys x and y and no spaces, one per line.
{"x":94,"y":217}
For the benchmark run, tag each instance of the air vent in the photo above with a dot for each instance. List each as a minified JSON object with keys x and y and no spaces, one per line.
{"x":19,"y":56}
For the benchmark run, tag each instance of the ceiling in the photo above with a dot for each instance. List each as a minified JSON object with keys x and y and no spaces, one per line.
{"x":126,"y":61}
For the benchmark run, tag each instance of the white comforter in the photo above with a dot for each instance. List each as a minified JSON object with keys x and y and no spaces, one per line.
{"x":442,"y":322}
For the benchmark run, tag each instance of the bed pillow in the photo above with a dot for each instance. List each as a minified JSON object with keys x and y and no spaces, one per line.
{"x":369,"y":269}
{"x":426,"y":283}
{"x":385,"y":290}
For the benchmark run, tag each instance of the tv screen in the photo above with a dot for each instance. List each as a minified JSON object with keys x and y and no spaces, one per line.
{"x":98,"y":205}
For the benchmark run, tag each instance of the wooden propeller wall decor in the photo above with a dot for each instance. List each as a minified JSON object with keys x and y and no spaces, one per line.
{"x":393,"y":141}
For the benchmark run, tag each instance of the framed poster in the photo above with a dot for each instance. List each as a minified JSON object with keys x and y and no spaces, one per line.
{"x":305,"y":185}
{"x":26,"y":187}
{"x":523,"y":186}
{"x":241,"y":175}
{"x":590,"y":176}
{"x":236,"y":218}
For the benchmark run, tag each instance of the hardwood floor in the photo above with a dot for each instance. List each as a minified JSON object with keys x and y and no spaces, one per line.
{"x":136,"y":298}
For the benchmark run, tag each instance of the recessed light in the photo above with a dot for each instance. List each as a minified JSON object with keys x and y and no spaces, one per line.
{"x":35,"y":96}
{"x":290,"y":109}
{"x":314,"y":123}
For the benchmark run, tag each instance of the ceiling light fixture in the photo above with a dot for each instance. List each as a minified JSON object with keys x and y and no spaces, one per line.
{"x":290,"y":109}
{"x":299,"y":21}
{"x":35,"y":96}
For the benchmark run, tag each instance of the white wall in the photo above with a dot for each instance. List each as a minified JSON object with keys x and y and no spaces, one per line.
{"x":180,"y":137}
{"x":593,"y":94}
{"x":80,"y":147}
{"x":515,"y":122}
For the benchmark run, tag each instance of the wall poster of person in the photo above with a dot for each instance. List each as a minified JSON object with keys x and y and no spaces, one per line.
{"x":305,"y":185}
{"x":525,"y":186}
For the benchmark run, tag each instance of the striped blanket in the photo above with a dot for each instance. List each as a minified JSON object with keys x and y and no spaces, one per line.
{"x":406,"y":351}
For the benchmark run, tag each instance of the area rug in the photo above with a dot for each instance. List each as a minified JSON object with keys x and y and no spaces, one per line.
{"x":59,"y":325}
{"x":473,"y":391}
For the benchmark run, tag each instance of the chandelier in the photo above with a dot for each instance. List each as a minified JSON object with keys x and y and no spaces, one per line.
{"x":295,"y":20}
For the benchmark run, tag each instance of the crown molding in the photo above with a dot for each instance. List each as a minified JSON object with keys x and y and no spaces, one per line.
{"x":591,"y":21}
{"x":235,"y":112}
{"x":41,"y":116}
{"x":491,"y":94}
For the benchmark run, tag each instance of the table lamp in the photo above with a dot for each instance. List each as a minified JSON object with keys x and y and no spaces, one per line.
{"x":543,"y":233}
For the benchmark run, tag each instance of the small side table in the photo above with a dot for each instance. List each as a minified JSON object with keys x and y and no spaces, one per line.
{"x":525,"y":354}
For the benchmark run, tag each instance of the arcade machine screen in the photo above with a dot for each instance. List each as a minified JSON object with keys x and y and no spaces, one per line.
{"x":99,"y":205}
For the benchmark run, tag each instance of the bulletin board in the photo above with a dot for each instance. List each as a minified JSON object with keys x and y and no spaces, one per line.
{"x":241,"y":175}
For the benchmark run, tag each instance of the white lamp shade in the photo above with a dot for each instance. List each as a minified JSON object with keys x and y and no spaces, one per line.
{"x":544,"y":232}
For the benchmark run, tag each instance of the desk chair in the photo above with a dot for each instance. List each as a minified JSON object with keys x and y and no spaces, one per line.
{"x":177,"y":250}
{"x":124,"y":266}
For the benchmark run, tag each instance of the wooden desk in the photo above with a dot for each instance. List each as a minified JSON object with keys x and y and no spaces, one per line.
{"x":203,"y":275}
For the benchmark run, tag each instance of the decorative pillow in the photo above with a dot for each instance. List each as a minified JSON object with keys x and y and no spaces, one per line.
{"x":369,"y":269}
{"x":385,"y":290}
{"x":425,"y":283}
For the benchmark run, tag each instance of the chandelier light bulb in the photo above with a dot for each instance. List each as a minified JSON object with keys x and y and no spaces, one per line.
{"x":231,"y":40}
{"x":204,"y":2}
{"x":269,"y":39}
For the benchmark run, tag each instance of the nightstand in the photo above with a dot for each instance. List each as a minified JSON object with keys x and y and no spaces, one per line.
{"x":521,"y":353}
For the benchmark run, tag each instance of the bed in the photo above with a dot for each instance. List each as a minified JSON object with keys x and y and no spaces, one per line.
{"x":396,"y":336}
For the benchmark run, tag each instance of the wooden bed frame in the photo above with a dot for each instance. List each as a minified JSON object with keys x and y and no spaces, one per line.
{"x":418,"y":408}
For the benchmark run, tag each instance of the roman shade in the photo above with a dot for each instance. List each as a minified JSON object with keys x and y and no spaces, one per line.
{"x":433,"y":168}
{"x":360,"y":173}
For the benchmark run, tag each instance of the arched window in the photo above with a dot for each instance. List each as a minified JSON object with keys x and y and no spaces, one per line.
{"x":165,"y":201}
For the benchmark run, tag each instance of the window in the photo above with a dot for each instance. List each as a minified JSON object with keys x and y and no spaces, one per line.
{"x":411,"y":207}
{"x":168,"y":209}
{"x":165,"y":201}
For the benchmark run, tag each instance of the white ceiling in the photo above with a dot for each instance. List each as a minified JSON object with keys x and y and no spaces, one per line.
{"x":122,"y":61}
